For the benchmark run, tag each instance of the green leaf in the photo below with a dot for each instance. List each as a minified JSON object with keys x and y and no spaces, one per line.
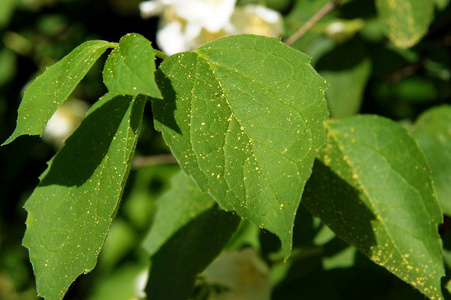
{"x":407,"y":21}
{"x":441,"y":4}
{"x":122,"y":284}
{"x":8,"y":63}
{"x":130,"y":68}
{"x":432,"y":130}
{"x":51,"y":88}
{"x":244,"y":116}
{"x":189,"y":231}
{"x":7,"y":8}
{"x":372,"y":187}
{"x":71,"y":210}
{"x":347,"y":70}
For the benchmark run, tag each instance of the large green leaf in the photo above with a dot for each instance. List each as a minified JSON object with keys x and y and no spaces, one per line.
{"x":130,"y":68}
{"x":189,"y":231}
{"x":372,"y":187}
{"x":244,"y":116}
{"x":51,"y":88}
{"x":432,"y":130}
{"x":71,"y":210}
{"x":407,"y":21}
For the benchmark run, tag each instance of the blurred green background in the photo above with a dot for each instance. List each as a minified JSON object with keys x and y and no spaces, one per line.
{"x":367,"y":74}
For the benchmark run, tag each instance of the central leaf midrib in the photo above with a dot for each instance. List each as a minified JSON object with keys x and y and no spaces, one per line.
{"x":300,"y":112}
{"x":131,"y":69}
{"x":246,"y":133}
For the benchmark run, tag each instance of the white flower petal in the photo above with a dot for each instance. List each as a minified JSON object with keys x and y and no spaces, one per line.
{"x":64,"y":121}
{"x":171,"y":39}
{"x":151,"y":8}
{"x":256,"y":19}
{"x":210,"y":14}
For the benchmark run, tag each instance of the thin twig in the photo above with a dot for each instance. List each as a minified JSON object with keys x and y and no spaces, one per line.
{"x":404,"y":72}
{"x":139,"y":162}
{"x":329,"y":7}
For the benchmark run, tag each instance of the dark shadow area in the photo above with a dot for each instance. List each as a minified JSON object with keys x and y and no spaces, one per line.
{"x":338,"y":205}
{"x":163,"y":109}
{"x":304,"y":228}
{"x":343,"y":57}
{"x":351,"y":283}
{"x":357,"y":9}
{"x":446,"y":237}
{"x":334,"y":246}
{"x":86,"y":148}
{"x":188,"y":252}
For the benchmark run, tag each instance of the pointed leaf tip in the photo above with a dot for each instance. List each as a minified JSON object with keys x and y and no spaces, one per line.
{"x":50,"y":89}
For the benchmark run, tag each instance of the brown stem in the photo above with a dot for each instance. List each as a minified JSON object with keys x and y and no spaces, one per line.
{"x":329,"y":7}
{"x":404,"y":72}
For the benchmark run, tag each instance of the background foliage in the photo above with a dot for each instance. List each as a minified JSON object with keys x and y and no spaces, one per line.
{"x":367,"y":74}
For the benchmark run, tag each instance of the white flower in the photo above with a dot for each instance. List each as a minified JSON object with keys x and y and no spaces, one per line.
{"x":151,"y":8}
{"x":244,"y":273}
{"x":64,"y":122}
{"x":188,"y":24}
{"x":141,"y":282}
{"x":209,"y":14}
{"x":257,"y":19}
{"x":212,"y":15}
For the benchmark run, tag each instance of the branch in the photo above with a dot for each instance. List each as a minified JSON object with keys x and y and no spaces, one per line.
{"x":329,"y":7}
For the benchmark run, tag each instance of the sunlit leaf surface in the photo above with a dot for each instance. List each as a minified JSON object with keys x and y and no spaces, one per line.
{"x":130,"y":68}
{"x":43,"y":97}
{"x":244,"y":116}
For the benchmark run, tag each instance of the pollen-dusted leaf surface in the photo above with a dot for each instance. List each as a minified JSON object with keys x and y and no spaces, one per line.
{"x":70,"y":212}
{"x":188,"y":232}
{"x":244,"y":115}
{"x":130,"y":68}
{"x":407,"y":21}
{"x":50,"y":89}
{"x":372,"y":186}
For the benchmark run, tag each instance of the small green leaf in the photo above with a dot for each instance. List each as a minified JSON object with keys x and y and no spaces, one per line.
{"x":51,"y":88}
{"x":407,"y":21}
{"x":432,"y":130}
{"x":244,"y":116}
{"x":130,"y":68}
{"x":7,"y":8}
{"x":71,"y":210}
{"x":441,"y":4}
{"x":189,"y":231}
{"x":372,"y":187}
